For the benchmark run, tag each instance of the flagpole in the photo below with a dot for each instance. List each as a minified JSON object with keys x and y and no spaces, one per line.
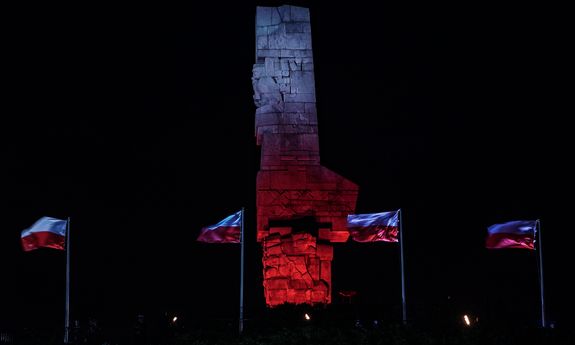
{"x":404,"y":305}
{"x":541,"y":290}
{"x":67,"y":316}
{"x":241,"y":327}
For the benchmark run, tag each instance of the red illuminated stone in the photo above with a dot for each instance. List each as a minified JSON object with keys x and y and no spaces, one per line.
{"x":301,"y":206}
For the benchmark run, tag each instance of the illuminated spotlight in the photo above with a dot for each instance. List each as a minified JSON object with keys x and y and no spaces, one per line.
{"x":466,"y":320}
{"x":175,"y":319}
{"x":307,"y":317}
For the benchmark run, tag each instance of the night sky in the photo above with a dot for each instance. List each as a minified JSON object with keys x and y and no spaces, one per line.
{"x":138,"y":123}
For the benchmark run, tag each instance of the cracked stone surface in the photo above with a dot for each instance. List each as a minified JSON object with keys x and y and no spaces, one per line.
{"x":302,"y":206}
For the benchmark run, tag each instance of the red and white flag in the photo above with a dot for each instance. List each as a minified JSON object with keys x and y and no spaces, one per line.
{"x":47,"y":232}
{"x":514,"y":234}
{"x":373,"y":227}
{"x":226,"y":231}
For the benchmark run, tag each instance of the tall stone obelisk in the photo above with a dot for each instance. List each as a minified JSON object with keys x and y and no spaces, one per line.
{"x":301,"y":206}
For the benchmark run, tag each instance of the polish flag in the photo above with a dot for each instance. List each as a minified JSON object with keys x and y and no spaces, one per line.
{"x":226,"y":231}
{"x":47,"y":232}
{"x":374,"y":227}
{"x":515,"y":234}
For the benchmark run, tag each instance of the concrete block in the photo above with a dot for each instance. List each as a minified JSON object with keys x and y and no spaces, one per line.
{"x":296,"y":107}
{"x":263,"y":53}
{"x":264,"y":15}
{"x":262,"y":42}
{"x":299,"y":14}
{"x":276,"y":18}
{"x":285,"y":13}
{"x":301,"y":97}
{"x":294,"y":28}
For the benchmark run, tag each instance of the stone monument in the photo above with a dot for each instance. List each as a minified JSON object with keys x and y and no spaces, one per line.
{"x":302,"y":206}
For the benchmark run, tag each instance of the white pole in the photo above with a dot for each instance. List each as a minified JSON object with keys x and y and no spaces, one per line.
{"x":404,"y":305}
{"x":241,"y":328}
{"x":541,"y":290}
{"x":67,"y":316}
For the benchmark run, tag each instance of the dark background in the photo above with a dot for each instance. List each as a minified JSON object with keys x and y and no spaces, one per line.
{"x":138,"y":123}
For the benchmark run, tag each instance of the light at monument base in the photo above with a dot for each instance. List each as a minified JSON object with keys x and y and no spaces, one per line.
{"x":306,"y":316}
{"x":175,"y":319}
{"x":466,"y":320}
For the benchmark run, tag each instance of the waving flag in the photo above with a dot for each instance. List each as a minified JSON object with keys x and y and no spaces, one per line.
{"x":515,"y":234}
{"x":46,"y":232}
{"x":226,"y":231}
{"x":373,"y":227}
